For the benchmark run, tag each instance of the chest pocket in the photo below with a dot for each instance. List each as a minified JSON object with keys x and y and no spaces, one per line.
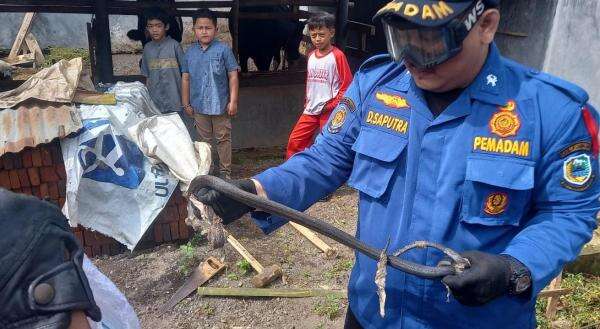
{"x":376,"y":160}
{"x":496,"y":192}
{"x":216,"y":65}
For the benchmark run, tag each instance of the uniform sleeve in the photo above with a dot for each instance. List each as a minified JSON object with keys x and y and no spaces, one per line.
{"x":180,"y":55}
{"x":344,"y":76}
{"x":565,"y":198}
{"x":318,"y":171}
{"x":144,"y":64}
{"x":231,"y":63}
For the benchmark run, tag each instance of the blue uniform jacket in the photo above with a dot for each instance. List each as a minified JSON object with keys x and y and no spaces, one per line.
{"x":509,"y":167}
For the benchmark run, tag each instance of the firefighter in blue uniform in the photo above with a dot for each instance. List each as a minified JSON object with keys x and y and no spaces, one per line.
{"x":448,"y":141}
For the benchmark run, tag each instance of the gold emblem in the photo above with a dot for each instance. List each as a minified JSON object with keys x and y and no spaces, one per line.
{"x":337,"y":121}
{"x":510,"y":106}
{"x":496,"y":203}
{"x":505,"y":123}
{"x":395,"y":101}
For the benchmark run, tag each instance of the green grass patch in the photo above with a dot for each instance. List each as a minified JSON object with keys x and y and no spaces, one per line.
{"x":580,"y":307}
{"x":243,"y":267}
{"x":188,"y":260}
{"x":330,"y":306}
{"x":341,"y":267}
{"x":54,"y":54}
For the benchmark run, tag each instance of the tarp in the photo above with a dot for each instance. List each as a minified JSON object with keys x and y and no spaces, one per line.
{"x":112,"y":187}
{"x":56,"y":83}
{"x":40,"y":109}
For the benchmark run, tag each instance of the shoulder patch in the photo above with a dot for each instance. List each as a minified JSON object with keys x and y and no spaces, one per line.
{"x":572,"y":90}
{"x":376,"y":61}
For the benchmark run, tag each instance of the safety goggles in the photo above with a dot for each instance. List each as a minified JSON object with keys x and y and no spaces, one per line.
{"x":425,"y":47}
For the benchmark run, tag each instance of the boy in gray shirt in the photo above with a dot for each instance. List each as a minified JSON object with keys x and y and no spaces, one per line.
{"x":162,"y":61}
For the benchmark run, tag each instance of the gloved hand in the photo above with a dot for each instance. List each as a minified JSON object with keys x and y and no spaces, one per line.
{"x":225,"y":207}
{"x":487,"y":278}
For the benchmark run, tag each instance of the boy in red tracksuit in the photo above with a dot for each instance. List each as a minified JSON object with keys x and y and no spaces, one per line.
{"x":327,"y":79}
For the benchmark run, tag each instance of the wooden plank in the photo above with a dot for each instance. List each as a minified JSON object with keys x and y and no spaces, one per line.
{"x":94,"y":98}
{"x":553,"y":293}
{"x":552,"y":306}
{"x":269,"y":292}
{"x":20,"y":59}
{"x":23,"y":30}
{"x":329,"y":251}
{"x":35,"y":49}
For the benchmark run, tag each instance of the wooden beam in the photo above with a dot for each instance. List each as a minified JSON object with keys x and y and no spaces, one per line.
{"x":23,"y":31}
{"x":269,"y":292}
{"x":341,"y":24}
{"x":235,"y":19}
{"x":329,"y":251}
{"x":34,"y":48}
{"x":104,"y":62}
{"x":553,"y":293}
{"x":552,"y":306}
{"x":92,"y":51}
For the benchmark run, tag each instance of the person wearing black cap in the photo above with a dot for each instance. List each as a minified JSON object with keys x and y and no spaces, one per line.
{"x":42,"y":282}
{"x":449,"y":142}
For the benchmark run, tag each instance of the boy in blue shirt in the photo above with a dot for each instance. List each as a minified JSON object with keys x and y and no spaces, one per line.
{"x":210,"y":87}
{"x":161,"y":63}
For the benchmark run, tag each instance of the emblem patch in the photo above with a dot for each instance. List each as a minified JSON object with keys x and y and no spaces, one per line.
{"x":505,"y":122}
{"x":496,"y":203}
{"x":576,"y":147}
{"x":348,"y":104}
{"x":390,"y":100}
{"x":577,"y":173}
{"x":336,"y":123}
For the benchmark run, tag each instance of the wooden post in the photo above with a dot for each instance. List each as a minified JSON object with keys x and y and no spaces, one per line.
{"x":104,"y":61}
{"x":92,"y":49}
{"x":234,"y":15}
{"x":341,"y":29}
{"x":23,"y":31}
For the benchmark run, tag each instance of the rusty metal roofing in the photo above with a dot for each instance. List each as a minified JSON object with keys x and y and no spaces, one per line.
{"x":35,"y":122}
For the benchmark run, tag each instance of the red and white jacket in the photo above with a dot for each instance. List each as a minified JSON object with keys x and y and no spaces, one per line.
{"x":327,"y":79}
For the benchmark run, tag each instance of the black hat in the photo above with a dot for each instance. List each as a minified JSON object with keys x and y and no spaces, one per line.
{"x":429,"y":13}
{"x":41,"y":275}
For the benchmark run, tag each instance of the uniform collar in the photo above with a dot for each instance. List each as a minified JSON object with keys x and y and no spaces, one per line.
{"x":210,"y":45}
{"x":490,"y":85}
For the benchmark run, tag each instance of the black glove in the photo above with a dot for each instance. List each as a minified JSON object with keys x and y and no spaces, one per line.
{"x":487,"y":278}
{"x":225,"y":207}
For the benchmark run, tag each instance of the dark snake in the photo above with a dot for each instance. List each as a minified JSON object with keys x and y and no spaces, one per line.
{"x":454,"y":265}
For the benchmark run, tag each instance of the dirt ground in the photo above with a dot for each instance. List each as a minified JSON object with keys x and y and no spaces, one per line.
{"x":149,"y":277}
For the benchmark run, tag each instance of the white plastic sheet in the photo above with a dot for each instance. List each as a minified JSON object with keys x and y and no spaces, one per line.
{"x":116,"y":311}
{"x":165,"y":139}
{"x":112,"y":187}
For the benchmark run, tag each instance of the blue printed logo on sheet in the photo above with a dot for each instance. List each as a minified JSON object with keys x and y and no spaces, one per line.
{"x":110,"y":158}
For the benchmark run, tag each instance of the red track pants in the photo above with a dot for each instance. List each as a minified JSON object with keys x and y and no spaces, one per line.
{"x":304,"y":131}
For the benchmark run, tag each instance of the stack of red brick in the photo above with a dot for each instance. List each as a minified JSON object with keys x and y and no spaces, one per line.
{"x":40,"y":172}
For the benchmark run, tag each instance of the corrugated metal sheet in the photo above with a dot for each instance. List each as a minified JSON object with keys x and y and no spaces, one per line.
{"x":36,"y":122}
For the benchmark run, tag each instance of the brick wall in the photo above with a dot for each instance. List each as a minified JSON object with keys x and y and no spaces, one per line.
{"x":40,"y":172}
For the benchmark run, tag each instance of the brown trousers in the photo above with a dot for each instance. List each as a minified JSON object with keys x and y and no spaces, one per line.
{"x":219,"y":127}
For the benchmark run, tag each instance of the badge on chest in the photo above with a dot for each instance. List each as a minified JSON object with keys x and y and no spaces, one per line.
{"x":505,"y":133}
